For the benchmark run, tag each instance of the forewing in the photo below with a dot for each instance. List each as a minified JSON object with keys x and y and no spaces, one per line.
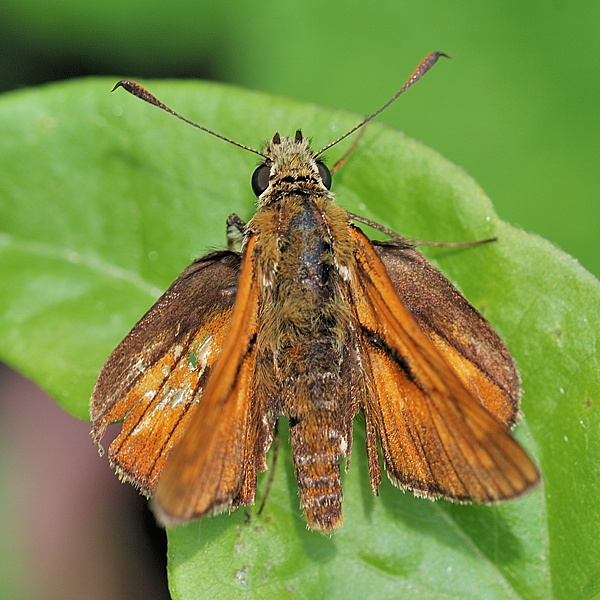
{"x":214,"y":466}
{"x":437,"y":437}
{"x":159,"y":370}
{"x":468,"y":342}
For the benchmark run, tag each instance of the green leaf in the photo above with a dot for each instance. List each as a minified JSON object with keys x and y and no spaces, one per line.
{"x":104,"y":200}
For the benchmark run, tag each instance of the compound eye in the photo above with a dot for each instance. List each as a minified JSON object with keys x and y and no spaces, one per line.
{"x":260,"y":179}
{"x":325,"y":174}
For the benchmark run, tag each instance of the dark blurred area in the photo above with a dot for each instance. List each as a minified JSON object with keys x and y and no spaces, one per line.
{"x":71,"y":530}
{"x":24,"y":65}
{"x":24,"y":62}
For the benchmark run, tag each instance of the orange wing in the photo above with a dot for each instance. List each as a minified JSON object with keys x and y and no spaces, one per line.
{"x":154,"y":376}
{"x":437,"y":437}
{"x":213,"y":467}
{"x":467,"y":341}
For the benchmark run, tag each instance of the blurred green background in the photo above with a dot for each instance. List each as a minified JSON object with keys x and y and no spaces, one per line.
{"x":516,"y":106}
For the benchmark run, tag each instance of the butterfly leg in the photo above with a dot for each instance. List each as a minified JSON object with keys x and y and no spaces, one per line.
{"x":272,"y":473}
{"x":235,"y":231}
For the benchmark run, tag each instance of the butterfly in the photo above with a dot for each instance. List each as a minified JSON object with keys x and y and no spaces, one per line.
{"x":313,"y":321}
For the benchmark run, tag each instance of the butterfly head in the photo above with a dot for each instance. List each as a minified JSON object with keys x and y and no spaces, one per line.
{"x":290,"y":164}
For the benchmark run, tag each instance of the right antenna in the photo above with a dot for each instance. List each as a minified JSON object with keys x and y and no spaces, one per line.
{"x":425,"y":65}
